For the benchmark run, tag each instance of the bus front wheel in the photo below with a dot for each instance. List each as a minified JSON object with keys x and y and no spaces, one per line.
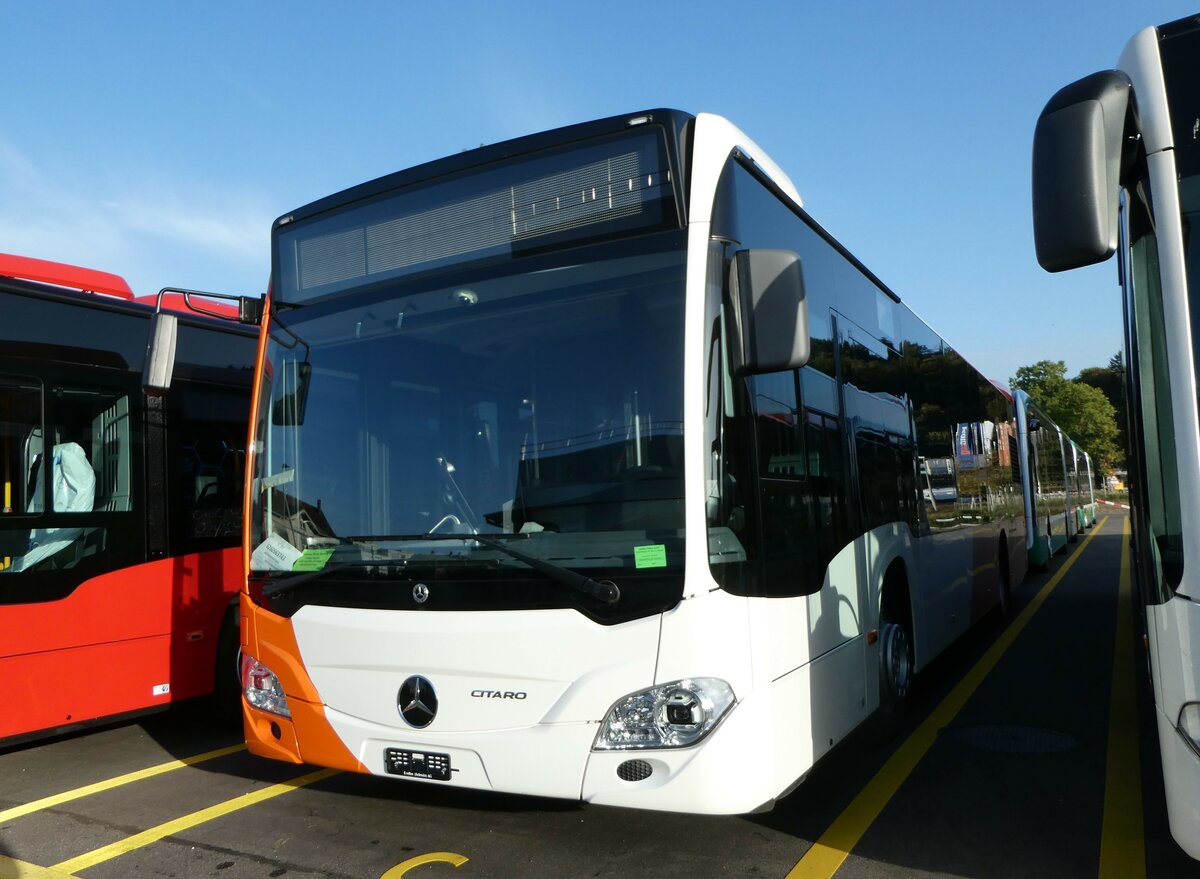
{"x":227,"y":678}
{"x":895,"y":664}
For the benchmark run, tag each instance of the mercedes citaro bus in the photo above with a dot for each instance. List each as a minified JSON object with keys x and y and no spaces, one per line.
{"x":587,"y":465}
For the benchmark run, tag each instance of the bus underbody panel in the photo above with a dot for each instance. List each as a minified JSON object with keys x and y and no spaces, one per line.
{"x":67,"y":687}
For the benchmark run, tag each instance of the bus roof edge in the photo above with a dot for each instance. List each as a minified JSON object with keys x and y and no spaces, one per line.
{"x":63,"y":275}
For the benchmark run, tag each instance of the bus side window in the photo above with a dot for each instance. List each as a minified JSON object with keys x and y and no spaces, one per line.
{"x":20,"y":453}
{"x":57,"y":474}
{"x":90,"y":426}
{"x":20,"y":440}
{"x":205,"y":459}
{"x":88,"y":465}
{"x":780,"y":434}
{"x":111,"y":454}
{"x":801,"y":482}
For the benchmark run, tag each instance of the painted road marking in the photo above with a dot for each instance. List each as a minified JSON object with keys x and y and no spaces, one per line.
{"x":187,"y":822}
{"x":1122,"y":837}
{"x":828,"y":853}
{"x":11,"y":868}
{"x":128,"y":778}
{"x":420,"y":860}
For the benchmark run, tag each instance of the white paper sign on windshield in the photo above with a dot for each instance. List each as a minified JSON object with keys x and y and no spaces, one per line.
{"x":274,"y":554}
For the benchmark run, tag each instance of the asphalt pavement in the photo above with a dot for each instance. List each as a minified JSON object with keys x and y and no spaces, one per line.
{"x":1028,"y":749}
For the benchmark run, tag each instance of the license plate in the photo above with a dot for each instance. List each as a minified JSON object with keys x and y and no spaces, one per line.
{"x":417,"y":764}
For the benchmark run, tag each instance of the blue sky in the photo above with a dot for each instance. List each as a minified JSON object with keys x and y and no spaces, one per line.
{"x":159,"y":141}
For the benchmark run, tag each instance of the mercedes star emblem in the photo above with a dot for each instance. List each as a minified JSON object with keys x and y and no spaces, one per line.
{"x":420,"y":593}
{"x":417,"y":702}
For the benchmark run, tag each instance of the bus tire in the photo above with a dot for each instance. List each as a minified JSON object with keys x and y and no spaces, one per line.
{"x":227,"y":677}
{"x":895,"y":651}
{"x":895,"y":664}
{"x":1005,"y":577}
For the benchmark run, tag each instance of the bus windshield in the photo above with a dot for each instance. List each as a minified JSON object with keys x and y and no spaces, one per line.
{"x":542,"y":402}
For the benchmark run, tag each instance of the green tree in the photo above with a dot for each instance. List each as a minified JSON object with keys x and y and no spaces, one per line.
{"x":1082,"y":411}
{"x":1111,"y":380}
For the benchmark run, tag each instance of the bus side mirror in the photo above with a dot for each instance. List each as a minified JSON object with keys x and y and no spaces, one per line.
{"x":1077,"y":154}
{"x":769,"y":286}
{"x":160,"y":354}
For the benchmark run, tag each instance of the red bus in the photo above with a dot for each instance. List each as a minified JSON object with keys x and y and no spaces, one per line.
{"x":121,"y":524}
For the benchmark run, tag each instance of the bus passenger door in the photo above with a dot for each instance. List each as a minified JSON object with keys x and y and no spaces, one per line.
{"x":878,"y":429}
{"x":809,"y":561}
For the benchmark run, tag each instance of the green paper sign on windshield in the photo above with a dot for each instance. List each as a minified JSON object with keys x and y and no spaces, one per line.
{"x":650,"y":556}
{"x":312,"y":559}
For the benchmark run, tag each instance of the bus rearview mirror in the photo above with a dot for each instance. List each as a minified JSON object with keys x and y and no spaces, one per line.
{"x":774,"y":312}
{"x":1077,"y":154}
{"x":160,"y":354}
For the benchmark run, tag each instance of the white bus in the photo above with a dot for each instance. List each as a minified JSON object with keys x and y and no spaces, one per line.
{"x":586,"y":466}
{"x":1047,"y":466}
{"x":1081,"y":482}
{"x":1117,"y":169}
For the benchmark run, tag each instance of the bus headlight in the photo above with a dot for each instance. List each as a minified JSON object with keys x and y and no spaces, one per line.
{"x":673,"y":715}
{"x":1188,"y":726}
{"x":261,"y":688}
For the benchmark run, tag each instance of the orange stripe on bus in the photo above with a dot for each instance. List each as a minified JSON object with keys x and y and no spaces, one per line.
{"x":308,"y":736}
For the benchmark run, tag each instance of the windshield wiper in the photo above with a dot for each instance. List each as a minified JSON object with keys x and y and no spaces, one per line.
{"x":274,"y":590}
{"x":601,"y":590}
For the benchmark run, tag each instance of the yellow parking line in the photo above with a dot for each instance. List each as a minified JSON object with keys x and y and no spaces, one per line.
{"x":829,"y":852}
{"x":138,"y":840}
{"x":451,"y":858}
{"x":57,"y":799}
{"x":11,"y":868}
{"x":1122,"y":839}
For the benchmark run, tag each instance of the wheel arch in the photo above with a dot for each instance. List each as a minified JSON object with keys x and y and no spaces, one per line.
{"x":895,"y":599}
